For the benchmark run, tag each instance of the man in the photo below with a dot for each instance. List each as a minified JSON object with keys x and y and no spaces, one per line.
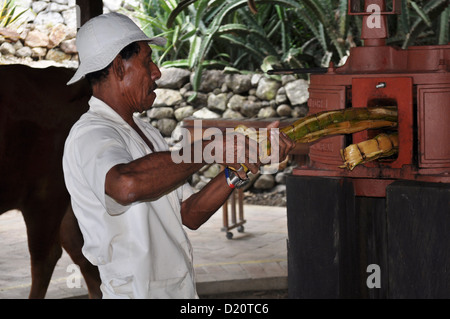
{"x":131,"y":200}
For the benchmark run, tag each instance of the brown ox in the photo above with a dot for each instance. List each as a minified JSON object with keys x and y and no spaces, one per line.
{"x":37,"y":110}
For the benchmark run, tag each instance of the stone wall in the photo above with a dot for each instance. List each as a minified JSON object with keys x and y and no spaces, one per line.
{"x":48,"y":35}
{"x":47,"y":32}
{"x":228,"y":96}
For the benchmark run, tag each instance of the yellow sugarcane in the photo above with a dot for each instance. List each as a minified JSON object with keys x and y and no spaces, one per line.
{"x":382,"y":145}
{"x":330,"y":123}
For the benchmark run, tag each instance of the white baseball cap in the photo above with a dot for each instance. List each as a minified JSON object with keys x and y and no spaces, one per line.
{"x":102,"y":38}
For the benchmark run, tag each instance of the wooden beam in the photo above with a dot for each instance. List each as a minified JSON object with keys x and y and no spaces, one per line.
{"x":89,"y":9}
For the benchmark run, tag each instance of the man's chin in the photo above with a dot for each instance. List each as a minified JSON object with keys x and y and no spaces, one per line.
{"x":151,"y":98}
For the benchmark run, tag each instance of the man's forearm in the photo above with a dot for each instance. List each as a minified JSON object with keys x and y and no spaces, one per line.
{"x":199,"y":207}
{"x":147,"y":178}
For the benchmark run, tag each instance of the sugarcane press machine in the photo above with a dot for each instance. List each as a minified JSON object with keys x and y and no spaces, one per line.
{"x":381,"y":230}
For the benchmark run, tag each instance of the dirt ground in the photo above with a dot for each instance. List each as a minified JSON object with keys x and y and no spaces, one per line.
{"x":277,"y":199}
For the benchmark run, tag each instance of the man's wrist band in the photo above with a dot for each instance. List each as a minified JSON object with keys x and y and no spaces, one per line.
{"x":233,"y":179}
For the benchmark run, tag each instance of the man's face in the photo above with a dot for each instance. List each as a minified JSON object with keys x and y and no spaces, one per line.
{"x":139,"y":80}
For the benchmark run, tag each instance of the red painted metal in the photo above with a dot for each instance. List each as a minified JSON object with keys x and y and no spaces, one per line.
{"x":416,"y":80}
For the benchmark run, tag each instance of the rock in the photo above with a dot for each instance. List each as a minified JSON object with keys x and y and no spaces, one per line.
{"x":255,"y":79}
{"x":235,"y":102}
{"x":24,"y":34}
{"x":36,"y":38}
{"x":284,"y":110}
{"x":210,"y":80}
{"x":48,"y":17}
{"x":280,"y":178}
{"x":39,"y":6}
{"x":24,"y":52}
{"x":183,"y":112}
{"x":177,"y":134}
{"x":213,"y":170}
{"x":238,"y":83}
{"x":281,"y":97}
{"x":38,"y":53}
{"x":217,"y":102}
{"x":10,"y":34}
{"x":200,"y":185}
{"x":112,"y":5}
{"x":7,"y":49}
{"x":299,"y":111}
{"x":230,"y":114}
{"x":204,"y":178}
{"x":267,"y":112}
{"x":173,"y":78}
{"x":250,"y":108}
{"x":285,"y":79}
{"x":57,"y":7}
{"x":160,"y":112}
{"x":265,"y":181}
{"x":167,"y":97}
{"x":68,"y":46}
{"x":205,"y":113}
{"x":71,"y":21}
{"x":18,"y":45}
{"x":224,"y":88}
{"x":267,"y":89}
{"x":201,"y":99}
{"x":297,"y":92}
{"x":166,"y":126}
{"x":57,"y":55}
{"x":56,"y":36}
{"x":281,"y":188}
{"x":41,"y":28}
{"x":131,"y":4}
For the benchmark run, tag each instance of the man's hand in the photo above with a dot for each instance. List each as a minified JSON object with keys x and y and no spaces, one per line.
{"x":280,"y":143}
{"x":239,"y":149}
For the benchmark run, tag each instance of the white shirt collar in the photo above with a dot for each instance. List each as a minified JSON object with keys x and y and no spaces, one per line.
{"x":104,"y":110}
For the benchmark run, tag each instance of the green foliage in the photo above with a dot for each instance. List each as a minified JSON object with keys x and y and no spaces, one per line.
{"x":281,"y":33}
{"x":422,"y":22}
{"x":8,"y":13}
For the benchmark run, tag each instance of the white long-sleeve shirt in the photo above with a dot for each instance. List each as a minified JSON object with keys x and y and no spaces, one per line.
{"x":141,"y":250}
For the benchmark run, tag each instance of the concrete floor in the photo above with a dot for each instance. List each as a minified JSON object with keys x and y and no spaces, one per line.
{"x":254,"y":260}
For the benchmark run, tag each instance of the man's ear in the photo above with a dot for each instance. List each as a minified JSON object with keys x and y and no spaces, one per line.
{"x":118,"y":67}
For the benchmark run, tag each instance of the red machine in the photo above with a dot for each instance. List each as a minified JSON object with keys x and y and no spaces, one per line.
{"x":416,"y":80}
{"x":381,"y":230}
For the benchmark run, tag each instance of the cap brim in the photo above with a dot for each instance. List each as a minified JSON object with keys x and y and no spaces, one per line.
{"x":83,"y":69}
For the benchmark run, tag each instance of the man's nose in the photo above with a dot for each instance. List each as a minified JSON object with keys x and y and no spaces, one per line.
{"x":155,"y":72}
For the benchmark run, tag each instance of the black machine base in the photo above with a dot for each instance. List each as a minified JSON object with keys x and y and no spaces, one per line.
{"x":344,"y":246}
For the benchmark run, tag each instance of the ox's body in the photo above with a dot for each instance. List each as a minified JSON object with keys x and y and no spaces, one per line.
{"x":37,"y":110}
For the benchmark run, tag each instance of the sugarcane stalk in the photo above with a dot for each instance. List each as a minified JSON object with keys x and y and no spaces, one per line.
{"x":346,"y":121}
{"x":382,"y":145}
{"x":329,"y":123}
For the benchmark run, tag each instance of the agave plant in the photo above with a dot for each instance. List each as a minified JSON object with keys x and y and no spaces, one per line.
{"x":153,"y":15}
{"x":8,"y":13}
{"x":252,"y":34}
{"x":421,"y":22}
{"x":228,"y":31}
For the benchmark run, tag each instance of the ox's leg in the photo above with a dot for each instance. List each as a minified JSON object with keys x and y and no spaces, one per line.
{"x":44,"y":246}
{"x":72,"y":241}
